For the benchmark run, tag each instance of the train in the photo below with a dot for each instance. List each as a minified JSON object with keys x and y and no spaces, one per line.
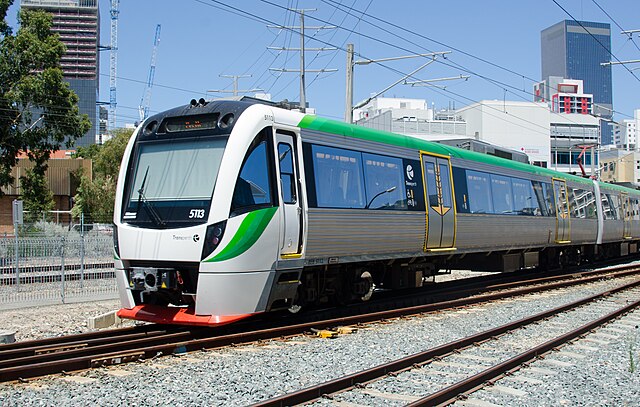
{"x":226,"y":209}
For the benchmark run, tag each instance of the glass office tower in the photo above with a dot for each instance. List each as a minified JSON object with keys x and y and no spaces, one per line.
{"x":78,"y":24}
{"x":575,"y":50}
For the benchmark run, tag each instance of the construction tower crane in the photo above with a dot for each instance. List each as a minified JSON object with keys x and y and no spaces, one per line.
{"x":113,"y":63}
{"x":143,"y":109}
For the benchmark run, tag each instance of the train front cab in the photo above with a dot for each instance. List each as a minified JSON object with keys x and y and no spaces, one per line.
{"x":260,"y":267}
{"x":251,"y":245}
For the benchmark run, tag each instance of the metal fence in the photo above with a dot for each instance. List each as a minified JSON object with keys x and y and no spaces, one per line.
{"x":74,"y":264}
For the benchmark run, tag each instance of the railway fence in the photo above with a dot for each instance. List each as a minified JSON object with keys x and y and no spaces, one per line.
{"x":56,"y":264}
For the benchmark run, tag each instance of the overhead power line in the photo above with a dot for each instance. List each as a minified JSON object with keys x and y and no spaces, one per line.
{"x":235,"y":90}
{"x":597,"y":40}
{"x":303,"y":69}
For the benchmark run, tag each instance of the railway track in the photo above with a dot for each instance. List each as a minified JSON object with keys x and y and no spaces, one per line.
{"x":49,"y":274}
{"x":37,"y":358}
{"x":413,"y":367}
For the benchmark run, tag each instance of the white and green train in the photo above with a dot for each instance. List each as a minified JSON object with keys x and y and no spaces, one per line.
{"x":231,"y":208}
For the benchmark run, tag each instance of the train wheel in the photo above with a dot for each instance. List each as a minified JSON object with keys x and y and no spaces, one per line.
{"x":294,"y":309}
{"x":296,"y":305}
{"x":365,"y":286}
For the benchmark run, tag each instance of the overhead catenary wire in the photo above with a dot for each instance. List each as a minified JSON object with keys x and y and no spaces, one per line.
{"x":265,"y":20}
{"x":500,"y":84}
{"x":616,"y":23}
{"x":597,"y":40}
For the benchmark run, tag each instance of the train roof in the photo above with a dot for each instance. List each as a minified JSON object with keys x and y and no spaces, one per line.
{"x":313,"y":122}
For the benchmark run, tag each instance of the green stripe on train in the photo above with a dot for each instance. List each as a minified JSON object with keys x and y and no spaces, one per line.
{"x":347,"y":130}
{"x":249,"y":231}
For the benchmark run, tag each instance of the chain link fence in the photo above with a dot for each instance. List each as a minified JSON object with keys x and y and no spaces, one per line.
{"x":49,"y":262}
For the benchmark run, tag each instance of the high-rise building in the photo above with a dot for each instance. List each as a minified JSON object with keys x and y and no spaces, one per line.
{"x":78,"y":24}
{"x":576,"y":50}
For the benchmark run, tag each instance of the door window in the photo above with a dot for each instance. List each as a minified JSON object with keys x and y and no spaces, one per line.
{"x":287,"y":176}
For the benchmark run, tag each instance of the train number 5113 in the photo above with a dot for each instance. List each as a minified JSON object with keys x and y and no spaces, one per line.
{"x":196,"y":214}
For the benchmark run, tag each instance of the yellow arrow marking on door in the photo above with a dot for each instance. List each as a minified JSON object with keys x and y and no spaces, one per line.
{"x":441,"y":210}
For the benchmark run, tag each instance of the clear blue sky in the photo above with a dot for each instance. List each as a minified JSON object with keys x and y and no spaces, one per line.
{"x":200,"y":40}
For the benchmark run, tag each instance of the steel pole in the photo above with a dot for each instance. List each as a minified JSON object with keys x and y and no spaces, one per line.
{"x":348,"y":111}
{"x":303,"y":101}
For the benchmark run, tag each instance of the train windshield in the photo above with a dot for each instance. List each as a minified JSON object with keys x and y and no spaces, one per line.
{"x":172,"y":182}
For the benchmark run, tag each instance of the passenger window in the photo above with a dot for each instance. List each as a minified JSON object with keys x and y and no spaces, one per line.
{"x":524,"y":200}
{"x":432,"y":188}
{"x":502,"y":194}
{"x":287,"y":176}
{"x":608,"y":208}
{"x":460,"y":181}
{"x":479,"y":189}
{"x":445,"y":183}
{"x":253,"y":186}
{"x":592,"y":211}
{"x":338,"y":177}
{"x":549,"y":198}
{"x":614,"y":203}
{"x":384,"y":182}
{"x":583,"y":204}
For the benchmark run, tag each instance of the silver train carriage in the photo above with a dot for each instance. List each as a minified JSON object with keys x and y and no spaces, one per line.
{"x":227,"y":209}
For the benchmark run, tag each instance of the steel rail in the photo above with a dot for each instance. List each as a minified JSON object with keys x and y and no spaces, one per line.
{"x":350,"y":381}
{"x":179,"y":342}
{"x":8,"y":357}
{"x":469,"y":286}
{"x":452,"y":392}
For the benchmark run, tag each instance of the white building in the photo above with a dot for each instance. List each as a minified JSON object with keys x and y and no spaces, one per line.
{"x":520,"y":126}
{"x":408,"y":116}
{"x":575,"y":131}
{"x":625,"y":133}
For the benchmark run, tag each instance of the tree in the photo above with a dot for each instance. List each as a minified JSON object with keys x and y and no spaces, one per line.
{"x":38,"y":111}
{"x":107,"y":162}
{"x":96,"y":197}
{"x":37,"y":196}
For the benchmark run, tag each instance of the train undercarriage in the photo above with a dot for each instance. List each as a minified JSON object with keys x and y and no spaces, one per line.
{"x":341,"y":284}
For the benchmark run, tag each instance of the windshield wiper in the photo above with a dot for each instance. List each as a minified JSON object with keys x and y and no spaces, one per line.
{"x":151,"y":210}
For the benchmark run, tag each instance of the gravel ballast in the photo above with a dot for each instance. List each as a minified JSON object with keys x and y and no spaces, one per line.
{"x":54,"y":320}
{"x":247,"y":374}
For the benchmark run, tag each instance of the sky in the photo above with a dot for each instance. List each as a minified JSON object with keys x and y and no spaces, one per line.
{"x":496,"y":43}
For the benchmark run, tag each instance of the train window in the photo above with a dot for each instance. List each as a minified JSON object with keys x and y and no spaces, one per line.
{"x":502,"y":194}
{"x":549,"y":198}
{"x":287,"y":177}
{"x":524,"y":200}
{"x":608,"y":207}
{"x":479,"y":189}
{"x":445,"y":183}
{"x":460,"y":181}
{"x":592,"y":210}
{"x":616,"y":207}
{"x":544,"y":195}
{"x":432,"y":187}
{"x":384,"y":181}
{"x":583,"y":204}
{"x":338,"y":177}
{"x":184,"y":170}
{"x":253,"y":186}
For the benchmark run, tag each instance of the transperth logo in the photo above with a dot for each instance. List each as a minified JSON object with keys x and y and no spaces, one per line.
{"x":409,"y":172}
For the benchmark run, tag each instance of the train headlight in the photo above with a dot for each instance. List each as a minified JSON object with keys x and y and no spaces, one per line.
{"x":213,"y":237}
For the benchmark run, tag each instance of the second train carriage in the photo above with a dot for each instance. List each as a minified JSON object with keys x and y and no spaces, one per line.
{"x":230,"y":208}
